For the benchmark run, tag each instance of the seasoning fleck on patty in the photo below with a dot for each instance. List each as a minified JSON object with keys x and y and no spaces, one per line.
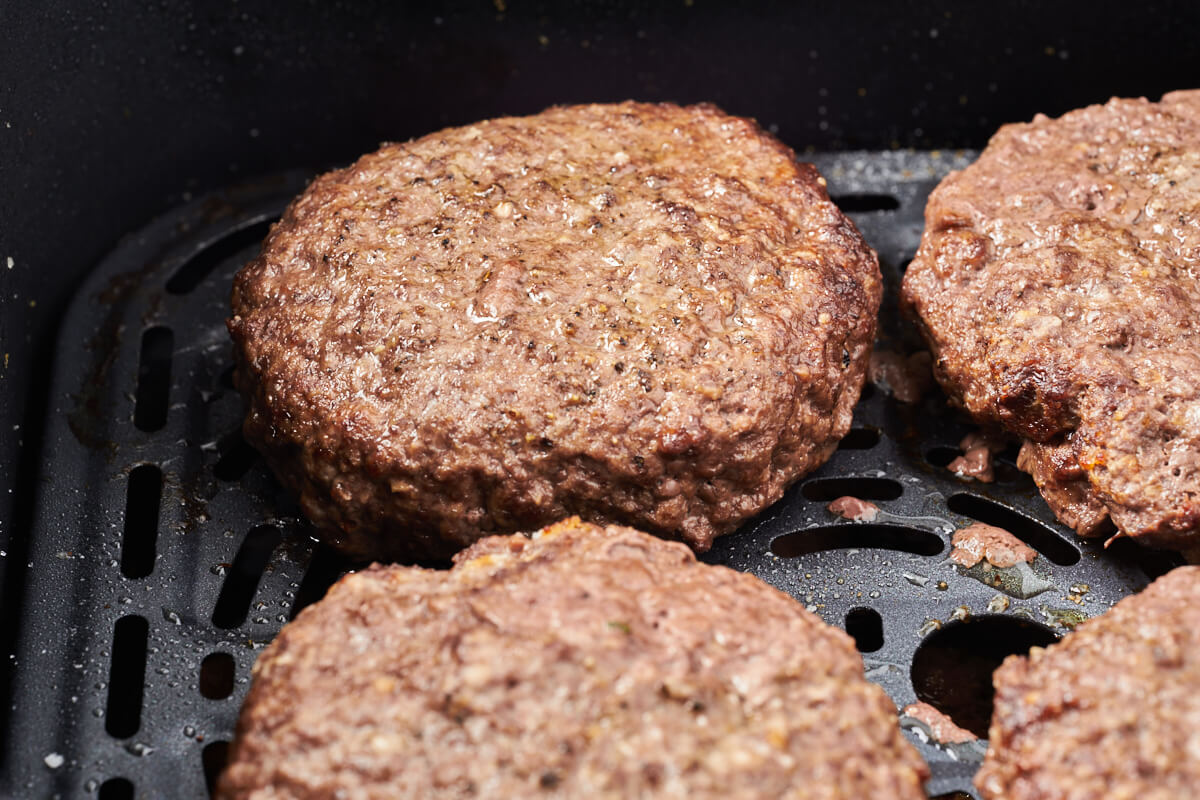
{"x":642,"y":314}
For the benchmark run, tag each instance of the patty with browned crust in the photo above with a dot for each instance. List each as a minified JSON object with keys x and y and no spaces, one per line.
{"x":1058,"y":285}
{"x":1111,"y":711}
{"x":587,"y":662}
{"x":636,"y":313}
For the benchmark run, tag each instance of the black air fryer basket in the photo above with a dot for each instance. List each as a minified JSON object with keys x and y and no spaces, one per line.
{"x":148,"y":555}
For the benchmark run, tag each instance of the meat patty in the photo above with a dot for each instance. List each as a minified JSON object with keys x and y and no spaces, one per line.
{"x":636,"y":313}
{"x":1111,"y":711}
{"x":1058,"y":284}
{"x":587,"y":662}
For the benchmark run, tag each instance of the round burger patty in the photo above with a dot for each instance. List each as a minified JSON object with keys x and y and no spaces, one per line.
{"x":1112,"y":711}
{"x":587,"y":662}
{"x":1058,"y":284}
{"x":637,"y":313}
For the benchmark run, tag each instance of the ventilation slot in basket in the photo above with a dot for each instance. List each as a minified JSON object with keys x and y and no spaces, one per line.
{"x":154,"y":379}
{"x":123,"y":715}
{"x":142,"y":499}
{"x":241,"y":581}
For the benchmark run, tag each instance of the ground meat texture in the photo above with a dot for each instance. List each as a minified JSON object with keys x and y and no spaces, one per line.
{"x":636,"y":313}
{"x":1112,"y":711}
{"x":1058,"y":285}
{"x":976,"y":461}
{"x":982,"y":542}
{"x":941,"y":727}
{"x":854,"y":509}
{"x":907,"y":378}
{"x":585,"y":663}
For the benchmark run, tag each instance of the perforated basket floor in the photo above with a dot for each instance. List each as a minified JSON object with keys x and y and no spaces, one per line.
{"x":164,"y":556}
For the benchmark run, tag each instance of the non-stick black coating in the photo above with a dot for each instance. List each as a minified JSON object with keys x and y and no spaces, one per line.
{"x":113,"y":113}
{"x":164,"y":556}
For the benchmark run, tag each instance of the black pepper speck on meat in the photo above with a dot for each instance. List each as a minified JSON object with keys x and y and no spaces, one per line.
{"x":587,"y":663}
{"x":1058,"y":285}
{"x":643,"y":314}
{"x":1112,"y":711}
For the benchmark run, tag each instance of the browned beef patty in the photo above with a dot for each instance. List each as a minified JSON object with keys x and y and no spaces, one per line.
{"x":637,"y":313}
{"x":1058,"y":284}
{"x":585,"y":663}
{"x":1112,"y":711}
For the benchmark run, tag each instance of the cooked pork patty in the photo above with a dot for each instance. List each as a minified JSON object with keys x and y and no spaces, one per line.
{"x":587,"y":662}
{"x":636,"y":313}
{"x":1111,"y":711}
{"x":1058,"y":284}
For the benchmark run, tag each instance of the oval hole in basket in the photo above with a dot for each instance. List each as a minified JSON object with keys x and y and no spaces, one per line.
{"x":154,"y":378}
{"x":866,"y":201}
{"x":1033,"y":533}
{"x":213,"y":757}
{"x":859,"y":439}
{"x":143,"y":496}
{"x":237,"y":457}
{"x":865,"y":536}
{"x":952,"y":668}
{"x":216,"y":676}
{"x":116,"y":789}
{"x":1007,"y":472}
{"x":324,"y":568}
{"x":941,"y":456}
{"x":197,"y":268}
{"x":1005,"y":465}
{"x":126,"y":677}
{"x":862,"y":488}
{"x":865,"y":626}
{"x":241,"y":581}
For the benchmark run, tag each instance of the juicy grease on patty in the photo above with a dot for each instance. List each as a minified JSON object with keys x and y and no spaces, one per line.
{"x":1058,"y":284}
{"x":587,"y":663}
{"x":1111,"y":711}
{"x":637,"y":313}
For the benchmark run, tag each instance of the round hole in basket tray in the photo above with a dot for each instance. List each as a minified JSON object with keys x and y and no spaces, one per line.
{"x":116,"y":789}
{"x":866,"y":627}
{"x":952,"y":669}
